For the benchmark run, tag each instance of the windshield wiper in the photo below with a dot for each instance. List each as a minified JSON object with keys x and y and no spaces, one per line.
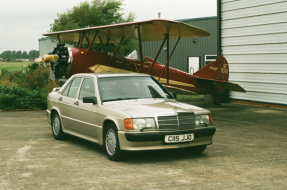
{"x":119,"y":99}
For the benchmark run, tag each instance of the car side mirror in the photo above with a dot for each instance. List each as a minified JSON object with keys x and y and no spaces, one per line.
{"x":173,"y":94}
{"x":92,"y":100}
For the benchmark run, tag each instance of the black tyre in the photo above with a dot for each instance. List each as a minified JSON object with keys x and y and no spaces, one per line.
{"x":111,"y":143}
{"x":57,"y":127}
{"x":198,"y":149}
{"x":216,"y":100}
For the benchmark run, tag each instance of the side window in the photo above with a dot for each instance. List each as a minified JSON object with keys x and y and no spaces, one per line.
{"x":65,"y":93}
{"x":87,"y":88}
{"x":74,"y":87}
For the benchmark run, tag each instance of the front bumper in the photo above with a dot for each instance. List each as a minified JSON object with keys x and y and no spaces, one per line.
{"x":155,"y":140}
{"x":48,"y":113}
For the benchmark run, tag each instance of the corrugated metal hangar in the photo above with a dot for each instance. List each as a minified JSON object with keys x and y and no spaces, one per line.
{"x":254,"y":41}
{"x":46,"y":46}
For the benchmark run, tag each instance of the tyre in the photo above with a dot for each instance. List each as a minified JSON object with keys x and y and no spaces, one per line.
{"x":198,"y":149}
{"x":57,"y":127}
{"x":111,"y":143}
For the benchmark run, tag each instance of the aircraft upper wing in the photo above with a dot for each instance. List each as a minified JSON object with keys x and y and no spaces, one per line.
{"x":150,"y":30}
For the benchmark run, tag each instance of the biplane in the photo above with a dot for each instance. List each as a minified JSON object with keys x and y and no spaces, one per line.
{"x":211,"y":79}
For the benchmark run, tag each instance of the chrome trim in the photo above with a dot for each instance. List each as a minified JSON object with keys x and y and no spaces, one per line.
{"x":162,"y":114}
{"x":82,"y":122}
{"x":175,"y":114}
{"x":77,"y":106}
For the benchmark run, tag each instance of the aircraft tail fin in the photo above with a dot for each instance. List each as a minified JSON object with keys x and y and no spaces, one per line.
{"x":217,"y":73}
{"x":215,"y":70}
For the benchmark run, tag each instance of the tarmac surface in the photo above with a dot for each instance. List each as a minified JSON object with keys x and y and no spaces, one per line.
{"x":249,"y":151}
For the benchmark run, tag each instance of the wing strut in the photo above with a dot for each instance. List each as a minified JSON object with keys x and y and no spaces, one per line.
{"x":58,"y":36}
{"x":106,"y":44}
{"x":140,"y":45}
{"x":88,"y":40}
{"x":157,"y":55}
{"x":91,"y":44}
{"x":80,"y":44}
{"x":167,"y":57}
{"x":166,"y":65}
{"x":117,"y":48}
{"x":103,"y":47}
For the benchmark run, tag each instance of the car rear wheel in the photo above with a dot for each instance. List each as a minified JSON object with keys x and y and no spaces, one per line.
{"x":57,"y":127}
{"x":112,"y":145}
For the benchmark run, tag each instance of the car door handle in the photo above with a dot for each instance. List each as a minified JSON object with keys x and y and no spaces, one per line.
{"x":76,"y":103}
{"x":60,"y":99}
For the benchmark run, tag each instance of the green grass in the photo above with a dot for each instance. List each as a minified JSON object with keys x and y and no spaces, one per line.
{"x":14,"y":66}
{"x":189,"y":98}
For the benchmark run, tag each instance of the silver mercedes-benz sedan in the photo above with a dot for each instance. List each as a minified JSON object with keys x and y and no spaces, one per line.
{"x":127,"y":112}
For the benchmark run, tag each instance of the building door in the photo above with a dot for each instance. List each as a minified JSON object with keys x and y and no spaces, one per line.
{"x":193,"y":64}
{"x":209,"y":58}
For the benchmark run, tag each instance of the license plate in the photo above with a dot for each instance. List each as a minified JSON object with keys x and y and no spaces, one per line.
{"x":178,"y":138}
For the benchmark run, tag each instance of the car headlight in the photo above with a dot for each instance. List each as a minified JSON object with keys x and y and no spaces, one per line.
{"x":140,"y":123}
{"x":202,"y":120}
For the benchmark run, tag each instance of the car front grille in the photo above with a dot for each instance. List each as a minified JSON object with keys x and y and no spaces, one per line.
{"x":183,"y":120}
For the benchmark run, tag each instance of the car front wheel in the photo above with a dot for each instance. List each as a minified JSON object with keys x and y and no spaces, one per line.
{"x":198,"y":149}
{"x":57,"y":127}
{"x":112,"y":146}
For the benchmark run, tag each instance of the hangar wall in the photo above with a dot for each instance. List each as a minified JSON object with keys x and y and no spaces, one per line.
{"x":187,"y":47}
{"x":254,"y":41}
{"x":46,"y":46}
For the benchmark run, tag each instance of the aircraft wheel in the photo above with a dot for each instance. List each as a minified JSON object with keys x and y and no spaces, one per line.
{"x":216,"y":100}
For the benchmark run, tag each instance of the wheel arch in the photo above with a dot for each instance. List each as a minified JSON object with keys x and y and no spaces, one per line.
{"x":105,"y":124}
{"x":55,"y":110}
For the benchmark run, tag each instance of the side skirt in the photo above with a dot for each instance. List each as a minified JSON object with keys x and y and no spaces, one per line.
{"x":82,"y":136}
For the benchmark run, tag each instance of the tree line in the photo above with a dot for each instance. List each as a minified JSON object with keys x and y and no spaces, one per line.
{"x":96,"y":13}
{"x":10,"y":55}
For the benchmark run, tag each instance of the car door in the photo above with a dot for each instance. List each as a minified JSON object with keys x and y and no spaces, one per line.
{"x":86,"y":112}
{"x":67,"y":103}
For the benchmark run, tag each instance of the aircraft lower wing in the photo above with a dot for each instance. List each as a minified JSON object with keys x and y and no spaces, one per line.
{"x":224,"y":84}
{"x":179,"y":90}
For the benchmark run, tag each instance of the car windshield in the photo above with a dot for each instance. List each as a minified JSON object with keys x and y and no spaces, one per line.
{"x":130,"y":87}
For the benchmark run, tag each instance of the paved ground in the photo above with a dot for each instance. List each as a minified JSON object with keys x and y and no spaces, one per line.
{"x":249,"y":152}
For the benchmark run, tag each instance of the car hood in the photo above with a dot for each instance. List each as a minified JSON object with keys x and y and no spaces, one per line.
{"x":152,"y":107}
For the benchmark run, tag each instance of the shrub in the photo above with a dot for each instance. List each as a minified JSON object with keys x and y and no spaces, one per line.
{"x":36,"y":79}
{"x":26,"y":90}
{"x":33,"y":67}
{"x":16,"y":97}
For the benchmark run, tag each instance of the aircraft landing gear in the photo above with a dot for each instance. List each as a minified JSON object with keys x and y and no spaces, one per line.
{"x":216,"y":100}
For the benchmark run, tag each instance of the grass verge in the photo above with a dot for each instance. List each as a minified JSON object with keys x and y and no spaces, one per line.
{"x":189,"y":98}
{"x":14,"y":66}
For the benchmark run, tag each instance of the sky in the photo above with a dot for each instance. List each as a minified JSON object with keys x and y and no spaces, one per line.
{"x":22,"y":22}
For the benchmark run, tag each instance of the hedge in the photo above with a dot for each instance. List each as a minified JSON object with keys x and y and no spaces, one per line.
{"x":16,"y":97}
